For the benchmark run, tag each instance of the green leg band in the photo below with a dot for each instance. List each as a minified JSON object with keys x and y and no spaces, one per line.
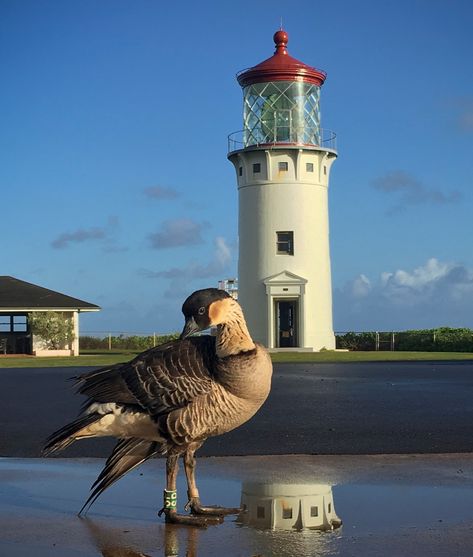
{"x":170,"y":499}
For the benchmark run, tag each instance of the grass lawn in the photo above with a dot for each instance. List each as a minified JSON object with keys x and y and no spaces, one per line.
{"x":336,"y":357}
{"x":103,"y":358}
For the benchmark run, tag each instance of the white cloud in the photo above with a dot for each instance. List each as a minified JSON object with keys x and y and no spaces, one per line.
{"x":105,"y":234}
{"x":463,"y":107}
{"x":194,"y":271}
{"x":361,"y":286}
{"x":65,"y":239}
{"x":430,"y":295}
{"x":409,"y":191}
{"x":223,"y":254}
{"x":160,"y":192}
{"x":419,"y":278}
{"x":177,"y":232}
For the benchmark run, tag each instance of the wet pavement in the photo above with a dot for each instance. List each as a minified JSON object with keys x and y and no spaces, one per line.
{"x":389,"y":505}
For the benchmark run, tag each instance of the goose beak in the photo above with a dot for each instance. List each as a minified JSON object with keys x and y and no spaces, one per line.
{"x":190,"y":328}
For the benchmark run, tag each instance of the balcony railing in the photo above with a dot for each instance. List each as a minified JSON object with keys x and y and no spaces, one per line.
{"x":320,"y":138}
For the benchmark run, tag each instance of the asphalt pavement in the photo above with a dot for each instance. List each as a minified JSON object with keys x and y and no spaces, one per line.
{"x":356,"y":408}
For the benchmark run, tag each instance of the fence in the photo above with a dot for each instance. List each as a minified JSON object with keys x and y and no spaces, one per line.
{"x":443,"y":339}
{"x":100,"y":340}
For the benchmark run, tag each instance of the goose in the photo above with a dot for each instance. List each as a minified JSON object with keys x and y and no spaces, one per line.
{"x":169,"y":399}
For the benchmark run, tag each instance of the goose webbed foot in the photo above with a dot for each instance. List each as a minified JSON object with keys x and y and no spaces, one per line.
{"x":198,"y":509}
{"x":172,"y":517}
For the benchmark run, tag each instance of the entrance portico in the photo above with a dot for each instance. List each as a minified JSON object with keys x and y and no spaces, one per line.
{"x":285,"y":305}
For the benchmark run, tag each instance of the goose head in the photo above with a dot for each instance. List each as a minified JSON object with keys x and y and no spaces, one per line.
{"x":206,"y":308}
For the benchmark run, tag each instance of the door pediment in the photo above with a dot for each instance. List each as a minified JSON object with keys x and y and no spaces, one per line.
{"x":285,"y":284}
{"x":286,"y":277}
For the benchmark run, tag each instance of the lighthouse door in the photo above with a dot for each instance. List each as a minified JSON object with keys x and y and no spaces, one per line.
{"x":286,"y":323}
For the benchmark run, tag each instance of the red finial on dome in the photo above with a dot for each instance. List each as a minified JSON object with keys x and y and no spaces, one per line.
{"x":281,"y":67}
{"x":281,"y":39}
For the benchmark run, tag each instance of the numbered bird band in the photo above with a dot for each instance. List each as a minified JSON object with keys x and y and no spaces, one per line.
{"x":170,"y":499}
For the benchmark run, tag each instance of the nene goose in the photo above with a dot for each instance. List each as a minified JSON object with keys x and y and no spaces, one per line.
{"x":171,"y":398}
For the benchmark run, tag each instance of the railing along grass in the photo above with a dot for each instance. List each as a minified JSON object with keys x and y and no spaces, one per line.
{"x":97,"y":358}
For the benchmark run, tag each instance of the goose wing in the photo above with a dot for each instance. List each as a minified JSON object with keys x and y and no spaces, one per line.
{"x":159,"y":380}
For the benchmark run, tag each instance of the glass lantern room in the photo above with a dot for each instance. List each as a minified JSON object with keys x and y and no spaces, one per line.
{"x":281,"y":112}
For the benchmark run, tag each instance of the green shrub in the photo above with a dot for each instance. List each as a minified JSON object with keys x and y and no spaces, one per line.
{"x":55,"y":329}
{"x":442,"y":339}
{"x":356,"y":341}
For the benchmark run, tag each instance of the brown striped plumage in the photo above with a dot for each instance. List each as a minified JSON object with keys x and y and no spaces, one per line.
{"x":171,"y":398}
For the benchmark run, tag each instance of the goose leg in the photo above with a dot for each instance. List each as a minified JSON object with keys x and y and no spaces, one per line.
{"x":194,"y":503}
{"x":170,"y":499}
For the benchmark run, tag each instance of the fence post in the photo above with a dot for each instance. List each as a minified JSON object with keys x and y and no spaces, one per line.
{"x":392,"y":342}
{"x":109,"y":341}
{"x":377,"y":341}
{"x":154,"y":339}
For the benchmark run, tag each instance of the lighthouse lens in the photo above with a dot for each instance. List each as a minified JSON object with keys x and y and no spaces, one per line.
{"x":282,"y":112}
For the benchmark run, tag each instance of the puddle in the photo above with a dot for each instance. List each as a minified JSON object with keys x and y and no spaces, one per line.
{"x":292,"y":509}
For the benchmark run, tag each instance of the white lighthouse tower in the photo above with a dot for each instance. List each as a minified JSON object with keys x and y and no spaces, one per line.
{"x":282,"y":159}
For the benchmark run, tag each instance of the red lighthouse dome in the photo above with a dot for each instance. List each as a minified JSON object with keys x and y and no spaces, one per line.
{"x":281,"y":67}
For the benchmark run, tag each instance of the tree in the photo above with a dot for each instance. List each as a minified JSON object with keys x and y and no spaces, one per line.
{"x":53,"y":328}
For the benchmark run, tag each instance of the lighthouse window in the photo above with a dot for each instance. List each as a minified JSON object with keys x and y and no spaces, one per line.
{"x":309,"y":166}
{"x":256,"y":168}
{"x":240,"y":171}
{"x":283,"y":166}
{"x":285,"y":243}
{"x":314,"y":511}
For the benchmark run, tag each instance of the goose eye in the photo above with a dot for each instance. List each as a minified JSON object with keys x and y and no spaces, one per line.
{"x":201,"y":311}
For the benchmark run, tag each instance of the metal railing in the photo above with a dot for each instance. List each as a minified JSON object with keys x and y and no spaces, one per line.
{"x":320,"y":138}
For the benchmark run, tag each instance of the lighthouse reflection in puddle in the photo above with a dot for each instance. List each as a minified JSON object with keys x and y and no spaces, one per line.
{"x":288,"y":507}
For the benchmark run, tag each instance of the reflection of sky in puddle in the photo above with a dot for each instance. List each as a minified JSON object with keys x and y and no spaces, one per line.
{"x":38,"y":505}
{"x":372,"y":508}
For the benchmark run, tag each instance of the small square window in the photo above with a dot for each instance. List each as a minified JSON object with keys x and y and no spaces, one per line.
{"x":309,"y":167}
{"x":5,"y":323}
{"x":283,"y":166}
{"x":285,"y":243}
{"x":314,"y":511}
{"x":256,"y":168}
{"x":287,"y":513}
{"x":20,"y":324}
{"x":260,"y":512}
{"x":240,"y":171}
{"x":329,"y":508}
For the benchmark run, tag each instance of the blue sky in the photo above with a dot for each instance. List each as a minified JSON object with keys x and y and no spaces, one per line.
{"x":115,"y":184}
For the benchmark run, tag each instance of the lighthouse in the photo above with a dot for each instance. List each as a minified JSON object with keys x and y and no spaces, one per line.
{"x":282,"y":159}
